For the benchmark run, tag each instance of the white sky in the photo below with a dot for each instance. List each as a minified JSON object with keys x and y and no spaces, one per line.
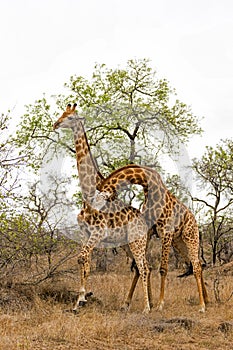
{"x":189,"y":42}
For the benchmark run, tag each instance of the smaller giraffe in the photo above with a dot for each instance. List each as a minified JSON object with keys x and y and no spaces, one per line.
{"x":175,"y":224}
{"x":113,"y":223}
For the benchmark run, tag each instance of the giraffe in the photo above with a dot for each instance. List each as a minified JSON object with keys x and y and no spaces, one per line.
{"x":111,"y":223}
{"x":174,"y":222}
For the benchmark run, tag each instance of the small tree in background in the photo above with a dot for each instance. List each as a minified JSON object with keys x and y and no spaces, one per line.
{"x":214,"y":173}
{"x":32,"y":248}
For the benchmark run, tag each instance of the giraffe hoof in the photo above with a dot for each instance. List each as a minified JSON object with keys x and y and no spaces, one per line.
{"x":88,"y":295}
{"x":202,"y":309}
{"x":125,"y":307}
{"x":82,"y":303}
{"x":160,"y":306}
{"x":146,"y":311}
{"x":75,"y":311}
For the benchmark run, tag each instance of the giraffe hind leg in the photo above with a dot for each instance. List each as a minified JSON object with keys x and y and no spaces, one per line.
{"x":166,"y":245}
{"x":197,"y":271}
{"x":138,"y":249}
{"x":181,"y":248}
{"x":132,"y":288}
{"x":189,"y":272}
{"x":193,"y":249}
{"x":205,"y":294}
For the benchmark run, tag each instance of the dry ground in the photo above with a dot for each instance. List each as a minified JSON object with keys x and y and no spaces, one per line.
{"x":29,"y":320}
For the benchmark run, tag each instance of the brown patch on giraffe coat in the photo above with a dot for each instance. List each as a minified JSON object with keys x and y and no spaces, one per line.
{"x":114,"y":181}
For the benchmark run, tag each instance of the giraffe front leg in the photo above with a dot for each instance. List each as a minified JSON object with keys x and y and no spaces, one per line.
{"x":84,"y":263}
{"x":128,"y":300}
{"x":132,"y":289}
{"x":138,"y":249}
{"x":166,"y":244}
{"x":145,"y":275}
{"x":149,"y":289}
{"x":163,"y":274}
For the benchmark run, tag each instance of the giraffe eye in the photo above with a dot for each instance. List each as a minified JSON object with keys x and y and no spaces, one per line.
{"x":70,"y":118}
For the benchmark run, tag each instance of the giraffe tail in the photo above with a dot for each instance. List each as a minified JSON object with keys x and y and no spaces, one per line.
{"x":133,"y":266}
{"x":188,"y":272}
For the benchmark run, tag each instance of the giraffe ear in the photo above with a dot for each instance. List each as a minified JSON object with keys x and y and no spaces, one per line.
{"x":68,"y":107}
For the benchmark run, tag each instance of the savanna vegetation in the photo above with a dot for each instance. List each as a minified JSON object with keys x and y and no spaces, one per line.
{"x":131,"y":116}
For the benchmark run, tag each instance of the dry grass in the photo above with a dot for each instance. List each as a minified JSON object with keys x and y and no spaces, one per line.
{"x":40,"y":319}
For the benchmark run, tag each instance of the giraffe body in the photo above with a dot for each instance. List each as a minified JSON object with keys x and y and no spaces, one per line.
{"x":175,"y":223}
{"x":116,"y":225}
{"x":111,"y":224}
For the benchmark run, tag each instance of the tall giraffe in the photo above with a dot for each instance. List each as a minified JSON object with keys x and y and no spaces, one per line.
{"x":175,"y":223}
{"x":112,"y":223}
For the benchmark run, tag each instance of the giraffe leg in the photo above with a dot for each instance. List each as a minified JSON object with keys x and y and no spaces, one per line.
{"x":138,"y":250}
{"x":193,"y":249}
{"x":166,"y":244}
{"x":185,"y":254}
{"x":132,"y":289}
{"x":134,"y":268}
{"x":205,"y":294}
{"x":149,"y":289}
{"x":197,"y":271}
{"x":84,"y":262}
{"x":84,"y":259}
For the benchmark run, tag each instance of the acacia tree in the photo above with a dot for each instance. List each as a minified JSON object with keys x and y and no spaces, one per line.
{"x":214,"y":171}
{"x":130,"y":115}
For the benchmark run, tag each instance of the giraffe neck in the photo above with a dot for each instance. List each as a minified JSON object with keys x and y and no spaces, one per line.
{"x":89,"y":175}
{"x":121,"y":177}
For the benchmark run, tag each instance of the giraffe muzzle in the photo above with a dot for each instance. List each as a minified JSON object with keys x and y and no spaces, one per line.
{"x":55,"y":125}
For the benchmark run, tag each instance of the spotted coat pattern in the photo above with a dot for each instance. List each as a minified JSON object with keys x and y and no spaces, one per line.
{"x":112,"y":224}
{"x":175,"y":223}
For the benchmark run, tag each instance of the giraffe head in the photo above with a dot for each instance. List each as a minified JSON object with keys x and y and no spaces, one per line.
{"x":68,"y":118}
{"x":100,"y":199}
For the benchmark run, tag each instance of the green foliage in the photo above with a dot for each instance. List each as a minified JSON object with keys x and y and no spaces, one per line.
{"x":30,"y":241}
{"x":10,"y":163}
{"x":214,"y":171}
{"x":17,"y":240}
{"x":175,"y":185}
{"x":34,"y":133}
{"x":131,"y":114}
